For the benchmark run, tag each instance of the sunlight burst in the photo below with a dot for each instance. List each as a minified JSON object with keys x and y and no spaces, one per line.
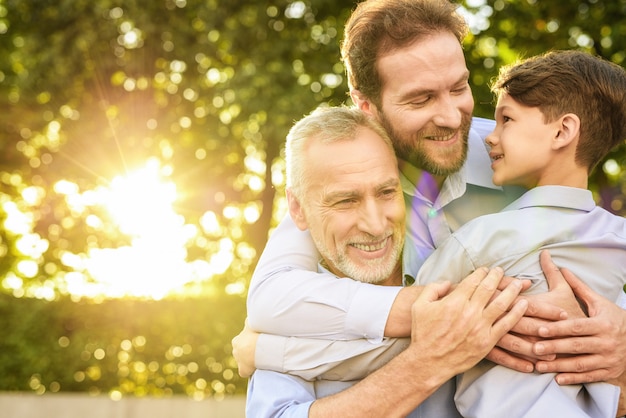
{"x":155,"y":262}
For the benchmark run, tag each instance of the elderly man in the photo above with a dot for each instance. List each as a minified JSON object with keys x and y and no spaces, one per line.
{"x":343,"y":187}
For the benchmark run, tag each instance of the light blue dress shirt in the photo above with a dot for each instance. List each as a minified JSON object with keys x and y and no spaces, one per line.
{"x":586,"y":239}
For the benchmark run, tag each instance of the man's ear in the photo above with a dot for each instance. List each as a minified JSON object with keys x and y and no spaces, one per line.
{"x":295,"y":210}
{"x":362,"y":102}
{"x":568,"y":131}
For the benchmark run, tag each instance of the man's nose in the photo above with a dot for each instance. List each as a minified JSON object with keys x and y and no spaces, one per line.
{"x":448,"y":114}
{"x":371,"y":218}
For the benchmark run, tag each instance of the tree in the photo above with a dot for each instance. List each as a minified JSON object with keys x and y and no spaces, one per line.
{"x":204,"y":92}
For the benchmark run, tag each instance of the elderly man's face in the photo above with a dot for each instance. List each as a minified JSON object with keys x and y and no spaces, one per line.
{"x":354,"y":208}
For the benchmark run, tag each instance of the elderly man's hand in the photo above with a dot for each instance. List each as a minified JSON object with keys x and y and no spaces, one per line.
{"x":244,"y":346}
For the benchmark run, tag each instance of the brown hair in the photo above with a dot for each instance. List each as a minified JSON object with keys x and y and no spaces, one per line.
{"x":561,"y":82}
{"x":381,"y":26}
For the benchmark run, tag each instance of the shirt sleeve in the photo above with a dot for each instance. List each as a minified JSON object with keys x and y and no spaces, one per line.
{"x":325,"y":359}
{"x":449,"y":262}
{"x":288,"y":297}
{"x":272,"y":394}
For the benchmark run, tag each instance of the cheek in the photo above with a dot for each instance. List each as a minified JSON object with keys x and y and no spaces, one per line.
{"x":396,"y":212}
{"x":335,"y":228}
{"x":467,"y":104}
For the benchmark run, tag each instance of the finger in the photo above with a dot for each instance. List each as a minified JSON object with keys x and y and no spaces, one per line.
{"x":433,"y":292}
{"x":509,"y":319}
{"x":601,"y":375}
{"x":543,"y":310}
{"x":528,"y":325}
{"x":501,"y":303}
{"x":553,"y":275}
{"x":581,"y":290}
{"x":574,"y":345}
{"x":506,"y":280}
{"x":506,"y":359}
{"x":521,"y":347}
{"x":469,"y":284}
{"x":567,"y":328}
{"x":488,"y":286}
{"x":580,"y":369}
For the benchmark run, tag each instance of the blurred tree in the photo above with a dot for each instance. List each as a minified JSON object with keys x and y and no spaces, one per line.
{"x":93,"y":90}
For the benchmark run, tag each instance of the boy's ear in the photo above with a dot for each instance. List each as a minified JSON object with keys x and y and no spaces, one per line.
{"x":568,"y":130}
{"x":295,"y":210}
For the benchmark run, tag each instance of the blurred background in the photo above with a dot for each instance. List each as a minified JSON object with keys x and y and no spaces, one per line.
{"x":141,"y":170}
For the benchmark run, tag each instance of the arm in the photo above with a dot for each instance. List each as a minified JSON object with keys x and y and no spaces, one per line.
{"x":598,"y":342}
{"x":311,"y":358}
{"x":286,"y":292}
{"x":272,"y":394}
{"x":450,"y":335}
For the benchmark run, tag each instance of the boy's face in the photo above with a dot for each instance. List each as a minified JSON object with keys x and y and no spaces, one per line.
{"x":521,"y":144}
{"x":354,"y":208}
{"x":427,"y":103}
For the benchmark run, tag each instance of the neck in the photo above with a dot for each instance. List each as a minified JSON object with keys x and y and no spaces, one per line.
{"x":570,"y":175}
{"x":395,"y":279}
{"x":426,"y":183}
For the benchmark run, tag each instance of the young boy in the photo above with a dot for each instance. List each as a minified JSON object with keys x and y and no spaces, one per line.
{"x":557,"y":116}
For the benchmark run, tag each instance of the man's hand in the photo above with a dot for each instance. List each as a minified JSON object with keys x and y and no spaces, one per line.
{"x":244,"y":346}
{"x":598,"y":342}
{"x":516,"y":349}
{"x":462,"y":326}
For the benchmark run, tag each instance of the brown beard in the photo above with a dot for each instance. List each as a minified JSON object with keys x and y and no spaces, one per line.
{"x":412,"y":152}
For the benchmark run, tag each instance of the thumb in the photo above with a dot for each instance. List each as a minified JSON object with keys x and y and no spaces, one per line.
{"x":554,"y":276}
{"x":434,"y":291}
{"x":580,"y":289}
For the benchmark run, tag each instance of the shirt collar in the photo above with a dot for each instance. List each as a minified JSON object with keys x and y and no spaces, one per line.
{"x":555,"y":196}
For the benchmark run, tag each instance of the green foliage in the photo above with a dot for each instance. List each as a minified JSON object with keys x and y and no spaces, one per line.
{"x":121,"y":347}
{"x":91,"y":90}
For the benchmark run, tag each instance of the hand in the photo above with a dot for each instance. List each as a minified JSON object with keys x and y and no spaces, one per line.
{"x":598,"y":342}
{"x":464,"y":325}
{"x":516,"y":349}
{"x":244,"y":346}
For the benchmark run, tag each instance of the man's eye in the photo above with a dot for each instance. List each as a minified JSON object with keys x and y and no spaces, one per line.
{"x":345,"y":202}
{"x":420,"y":102}
{"x":461,"y":89}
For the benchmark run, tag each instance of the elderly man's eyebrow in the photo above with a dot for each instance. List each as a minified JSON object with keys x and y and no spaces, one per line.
{"x":392,"y":182}
{"x":341,"y":195}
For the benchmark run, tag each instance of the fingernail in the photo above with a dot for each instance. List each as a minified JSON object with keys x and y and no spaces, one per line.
{"x":539,"y":348}
{"x":541,"y":367}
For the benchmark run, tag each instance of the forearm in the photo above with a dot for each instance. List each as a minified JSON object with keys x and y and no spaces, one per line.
{"x":392,"y":391}
{"x":325,"y":359}
{"x":286,"y":292}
